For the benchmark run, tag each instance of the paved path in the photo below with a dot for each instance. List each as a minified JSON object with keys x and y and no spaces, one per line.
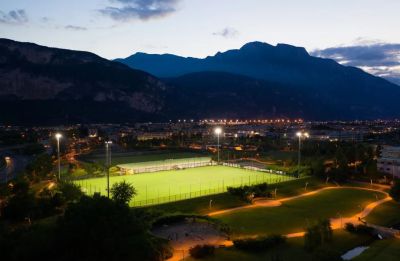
{"x":278,"y":202}
{"x":336,"y":223}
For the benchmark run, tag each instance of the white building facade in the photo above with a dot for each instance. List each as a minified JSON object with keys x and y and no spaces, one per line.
{"x":389,"y":161}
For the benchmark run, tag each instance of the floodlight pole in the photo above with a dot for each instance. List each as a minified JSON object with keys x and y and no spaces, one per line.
{"x":108,"y":163}
{"x":300,"y":135}
{"x":58,"y":137}
{"x":58,"y":157}
{"x":218,"y":131}
{"x":299,"y":157}
{"x":218,"y":146}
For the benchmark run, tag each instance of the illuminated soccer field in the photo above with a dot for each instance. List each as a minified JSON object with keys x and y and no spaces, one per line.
{"x":173,"y":185}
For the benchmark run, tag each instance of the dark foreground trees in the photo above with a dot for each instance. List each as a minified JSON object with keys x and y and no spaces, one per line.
{"x":94,"y":228}
{"x":395,"y":190}
{"x":318,"y":235}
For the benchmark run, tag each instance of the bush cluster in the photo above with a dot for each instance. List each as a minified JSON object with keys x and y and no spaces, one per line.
{"x":175,"y":218}
{"x":359,"y":229}
{"x":248,"y":192}
{"x":259,"y":243}
{"x":318,"y":235}
{"x":202,"y":251}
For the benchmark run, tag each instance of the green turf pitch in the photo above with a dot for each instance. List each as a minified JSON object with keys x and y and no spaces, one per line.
{"x":167,"y":186}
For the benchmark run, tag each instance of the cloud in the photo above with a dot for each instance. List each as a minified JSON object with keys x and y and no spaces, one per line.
{"x":45,"y":19}
{"x":378,"y":58}
{"x":140,"y":9}
{"x":227,"y":32}
{"x":75,"y":28}
{"x":16,"y":17}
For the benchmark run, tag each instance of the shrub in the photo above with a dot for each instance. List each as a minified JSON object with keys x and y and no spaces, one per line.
{"x":175,"y":218}
{"x":364,"y":229}
{"x":259,"y":243}
{"x":350,"y":227}
{"x":202,"y":251}
{"x":395,"y":191}
{"x":318,"y":234}
{"x":359,"y":229}
{"x":70,"y":191}
{"x":248,"y":192}
{"x":123,"y":192}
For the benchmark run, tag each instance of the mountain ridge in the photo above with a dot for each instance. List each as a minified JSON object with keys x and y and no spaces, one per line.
{"x":43,"y":85}
{"x":30,"y":72}
{"x":255,"y":59}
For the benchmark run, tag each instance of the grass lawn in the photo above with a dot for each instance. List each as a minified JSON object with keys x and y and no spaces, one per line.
{"x":201,"y":205}
{"x":382,"y":250}
{"x":167,"y":186}
{"x":298,"y":186}
{"x":295,"y":215}
{"x":225,"y":200}
{"x":387,"y":214}
{"x":278,"y":155}
{"x":133,"y":157}
{"x":293,"y":250}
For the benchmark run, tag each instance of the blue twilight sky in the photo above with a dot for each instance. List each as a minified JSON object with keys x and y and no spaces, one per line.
{"x":119,"y":28}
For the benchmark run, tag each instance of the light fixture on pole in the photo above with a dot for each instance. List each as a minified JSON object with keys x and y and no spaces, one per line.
{"x":218,"y":131}
{"x":108,"y":163}
{"x":300,"y":135}
{"x":58,"y":137}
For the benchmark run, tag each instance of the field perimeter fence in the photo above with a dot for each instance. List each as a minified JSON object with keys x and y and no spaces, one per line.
{"x":148,"y":196}
{"x":200,"y":190}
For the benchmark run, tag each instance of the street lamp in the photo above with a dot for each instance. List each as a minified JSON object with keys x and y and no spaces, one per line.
{"x":218,"y":131}
{"x":58,"y":137}
{"x":108,"y":163}
{"x":300,"y":135}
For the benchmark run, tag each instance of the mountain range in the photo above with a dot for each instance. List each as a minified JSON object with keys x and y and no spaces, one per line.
{"x":276,"y":81}
{"x":42,"y":85}
{"x":49,"y":85}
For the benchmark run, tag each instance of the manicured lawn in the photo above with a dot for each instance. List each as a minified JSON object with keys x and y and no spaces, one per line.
{"x":295,"y":215}
{"x":167,"y":186}
{"x":201,"y":205}
{"x":298,"y":186}
{"x":293,"y":250}
{"x":387,"y":214}
{"x":382,"y":250}
{"x":279,"y":155}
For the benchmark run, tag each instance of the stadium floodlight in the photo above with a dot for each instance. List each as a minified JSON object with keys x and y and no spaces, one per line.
{"x":108,"y":163}
{"x":58,"y":137}
{"x":300,"y":135}
{"x":218,"y":131}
